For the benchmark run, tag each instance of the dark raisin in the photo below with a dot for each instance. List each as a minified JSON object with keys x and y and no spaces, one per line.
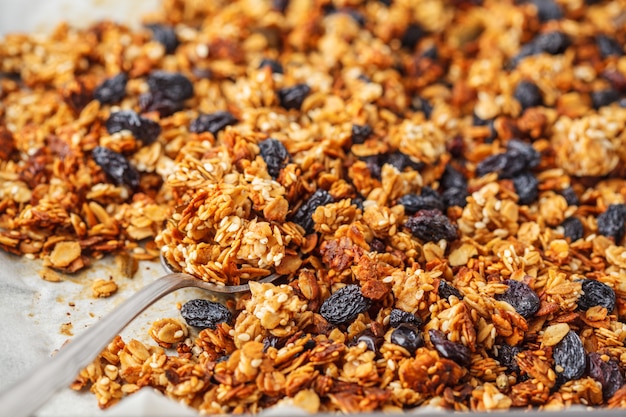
{"x":111,"y":90}
{"x":528,"y":94}
{"x":552,"y":43}
{"x":165,"y":35}
{"x":428,"y":200}
{"x":280,"y":5}
{"x":408,"y":336}
{"x":374,"y":165}
{"x":397,"y":317}
{"x":518,"y":157}
{"x":611,"y":222}
{"x":569,"y":358}
{"x":272,"y":341}
{"x":431,"y":226}
{"x":377,"y":245}
{"x":608,"y":374}
{"x":372,"y":342}
{"x":573,"y":228}
{"x":400,"y":161}
{"x":596,"y":293}
{"x":452,"y":178}
{"x":344,"y":305}
{"x":603,"y":98}
{"x":275,"y":156}
{"x":156,"y":101}
{"x":421,"y":104}
{"x":213,"y":122}
{"x":445,"y":290}
{"x":293,"y":97}
{"x":547,"y":10}
{"x":507,"y":356}
{"x":570,"y":196}
{"x":303,"y":216}
{"x":526,"y":187}
{"x":358,"y":202}
{"x":204,"y":313}
{"x":521,"y":297}
{"x":454,"y":197}
{"x":360,"y":133}
{"x":116,"y":166}
{"x":222,"y":358}
{"x":173,"y":85}
{"x":517,"y":149}
{"x":608,"y":46}
{"x":274,"y":65}
{"x":412,"y":35}
{"x":146,"y":130}
{"x":450,"y":350}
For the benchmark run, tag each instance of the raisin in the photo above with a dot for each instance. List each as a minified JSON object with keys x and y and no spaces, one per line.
{"x":421,"y":104}
{"x":400,"y":161}
{"x":156,"y":101}
{"x":274,"y":65}
{"x":570,"y":196}
{"x":372,"y":342}
{"x":280,"y":5}
{"x":611,"y":222}
{"x":608,"y":46}
{"x":303,"y":216}
{"x":429,"y":200}
{"x":408,"y":336}
{"x":397,"y":317}
{"x":431,"y":226}
{"x":603,"y":98}
{"x":146,"y":130}
{"x":165,"y":35}
{"x":547,"y":10}
{"x":213,"y":122}
{"x":455,"y":197}
{"x":526,"y":187}
{"x":518,"y":157}
{"x":445,"y":290}
{"x":521,"y":297}
{"x":493,"y":163}
{"x":360,"y":133}
{"x":173,"y":85}
{"x":111,"y":90}
{"x":528,"y":94}
{"x":344,"y":305}
{"x":452,"y":178}
{"x":596,"y":293}
{"x":450,"y":350}
{"x":507,"y":356}
{"x":608,"y":373}
{"x":116,"y":166}
{"x":275,"y":156}
{"x":377,"y":245}
{"x":293,"y":97}
{"x":204,"y":313}
{"x":569,"y":358}
{"x":272,"y":341}
{"x":573,"y":228}
{"x":411,"y":36}
{"x":374,"y":165}
{"x":553,"y":43}
{"x":517,"y":149}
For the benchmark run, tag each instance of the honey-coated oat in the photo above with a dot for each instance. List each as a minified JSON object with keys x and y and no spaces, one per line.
{"x":458,"y":163}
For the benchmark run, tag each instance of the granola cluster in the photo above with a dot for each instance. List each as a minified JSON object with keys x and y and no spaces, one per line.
{"x":440,"y":185}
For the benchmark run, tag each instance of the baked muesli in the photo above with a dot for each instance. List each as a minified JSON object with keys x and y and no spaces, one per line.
{"x":440,"y":183}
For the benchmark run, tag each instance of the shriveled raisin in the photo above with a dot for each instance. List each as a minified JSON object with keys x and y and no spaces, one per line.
{"x":428,"y":199}
{"x":165,"y":35}
{"x":274,"y":65}
{"x":603,"y":98}
{"x":596,"y":293}
{"x":303,"y":216}
{"x":408,"y":336}
{"x":173,"y":85}
{"x":526,"y":187}
{"x":213,"y":122}
{"x":507,"y":356}
{"x":116,"y":166}
{"x":521,"y":297}
{"x":608,"y":46}
{"x":611,"y":222}
{"x":273,"y":341}
{"x":445,"y":290}
{"x":144,"y":129}
{"x":518,"y":157}
{"x":111,"y":90}
{"x":450,"y":350}
{"x":552,"y":43}
{"x":397,"y":317}
{"x":377,"y":245}
{"x":344,"y":305}
{"x":547,"y":10}
{"x":454,"y":197}
{"x":528,"y":94}
{"x":360,"y":133}
{"x":570,"y":196}
{"x":573,"y":228}
{"x":569,"y":358}
{"x":372,"y":342}
{"x":275,"y":156}
{"x":412,"y":35}
{"x":431,"y":226}
{"x":400,"y":161}
{"x":204,"y":313}
{"x":607,"y":373}
{"x":293,"y":97}
{"x":157,"y":101}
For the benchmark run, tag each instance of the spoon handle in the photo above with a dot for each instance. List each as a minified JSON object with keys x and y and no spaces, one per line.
{"x":34,"y":389}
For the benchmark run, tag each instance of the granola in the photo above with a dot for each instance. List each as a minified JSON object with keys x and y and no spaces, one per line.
{"x":460,"y":162}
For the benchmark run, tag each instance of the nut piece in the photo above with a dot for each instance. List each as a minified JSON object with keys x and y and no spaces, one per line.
{"x":167,"y":332}
{"x":553,"y":334}
{"x":64,"y":253}
{"x":103,"y":288}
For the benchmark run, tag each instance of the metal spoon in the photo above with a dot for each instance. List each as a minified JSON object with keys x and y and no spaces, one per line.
{"x":34,"y":389}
